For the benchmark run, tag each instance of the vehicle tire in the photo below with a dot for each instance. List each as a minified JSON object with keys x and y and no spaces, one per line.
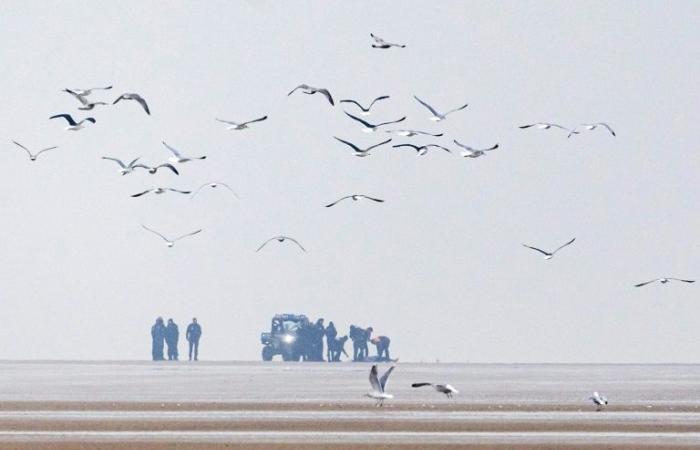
{"x":287,"y":356}
{"x":267,"y":353}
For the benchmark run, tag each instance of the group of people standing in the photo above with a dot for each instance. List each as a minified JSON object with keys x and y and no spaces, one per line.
{"x":162,"y":334}
{"x":360,"y":338}
{"x":311,"y":342}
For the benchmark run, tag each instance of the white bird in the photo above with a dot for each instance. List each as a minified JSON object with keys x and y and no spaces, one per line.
{"x":369,"y":128}
{"x":592,"y":126}
{"x":312,"y":90}
{"x":240,"y":125}
{"x":409,"y":133}
{"x":214,"y":185}
{"x":160,"y":190}
{"x":135,"y":97}
{"x":360,"y":151}
{"x":547,"y":126}
{"x":598,"y":400}
{"x":446,"y":389}
{"x":378,"y":391}
{"x":355,"y":197}
{"x":33,"y":156}
{"x":280,"y":239}
{"x":381,"y":43}
{"x":422,"y":149}
{"x":87,"y":105}
{"x":126,"y":168}
{"x":438,"y":117}
{"x":470,"y":152}
{"x":86,"y":92}
{"x":548,"y":255}
{"x":72,"y":124}
{"x":365,"y":111}
{"x":169,"y":242}
{"x":178,"y":157}
{"x":663,"y":281}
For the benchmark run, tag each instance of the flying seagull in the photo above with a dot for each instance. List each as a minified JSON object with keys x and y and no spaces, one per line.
{"x":126,"y":168}
{"x":547,"y":126}
{"x":437,"y":117}
{"x":33,"y":156}
{"x":422,"y":149}
{"x":280,"y":239}
{"x":381,"y":43}
{"x":72,"y":124}
{"x":369,"y":128}
{"x":379,"y":385}
{"x":135,"y":97}
{"x":598,"y":400}
{"x":87,"y":105}
{"x":365,"y":111}
{"x":355,"y":197}
{"x":663,"y":281}
{"x":548,"y":255}
{"x":312,"y":90}
{"x":168,"y":242}
{"x":159,"y":191}
{"x":473,"y":152}
{"x":240,"y":125}
{"x":178,"y":157}
{"x":359,"y":151}
{"x":86,"y":92}
{"x":446,"y":389}
{"x":409,"y":133}
{"x":214,"y":185}
{"x":592,"y":126}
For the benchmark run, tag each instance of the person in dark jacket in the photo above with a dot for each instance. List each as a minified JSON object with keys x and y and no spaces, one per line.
{"x":356,"y":336}
{"x":317,"y":343}
{"x":158,"y":337}
{"x":331,"y":335}
{"x":382,"y":344}
{"x":194,"y":332}
{"x":172,"y":335}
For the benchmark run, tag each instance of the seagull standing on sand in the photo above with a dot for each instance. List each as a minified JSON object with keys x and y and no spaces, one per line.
{"x":410,"y":133}
{"x":280,"y":239}
{"x":159,"y":191}
{"x":135,"y":97}
{"x":33,"y":156}
{"x":548,"y":255}
{"x":663,"y":281}
{"x":355,"y":197}
{"x":87,"y":105}
{"x":214,"y":185}
{"x":473,"y":152}
{"x":365,"y":111}
{"x":422,"y":149}
{"x":312,"y":90}
{"x":178,"y":157}
{"x":86,"y":92}
{"x":72,"y":124}
{"x":240,"y":125}
{"x":370,"y":128}
{"x":169,"y":242}
{"x":547,"y":126}
{"x":379,"y":385}
{"x":598,"y":400}
{"x":592,"y":126}
{"x":126,"y":168}
{"x":360,"y":151}
{"x":446,"y":389}
{"x":381,"y":43}
{"x":438,"y":117}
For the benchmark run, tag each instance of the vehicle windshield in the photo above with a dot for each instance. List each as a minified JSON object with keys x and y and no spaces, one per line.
{"x":290,"y":327}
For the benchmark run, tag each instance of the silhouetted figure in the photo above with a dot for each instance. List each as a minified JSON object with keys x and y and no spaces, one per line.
{"x":317,"y":333}
{"x":304,"y":338}
{"x":158,"y":336}
{"x":194,"y":332}
{"x":382,"y":344}
{"x":172,"y":335}
{"x":357,"y":335}
{"x":331,"y":334}
{"x":336,"y":347}
{"x":364,"y":342}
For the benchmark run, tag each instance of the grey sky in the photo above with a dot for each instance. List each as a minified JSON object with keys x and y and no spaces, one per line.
{"x":439,"y":266}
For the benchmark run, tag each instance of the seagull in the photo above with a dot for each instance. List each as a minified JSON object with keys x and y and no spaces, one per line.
{"x":86,"y":92}
{"x":409,"y":133}
{"x":87,"y":106}
{"x":369,"y":128}
{"x":280,"y":239}
{"x":548,"y":255}
{"x":240,"y":125}
{"x":312,"y":90}
{"x":422,"y":149}
{"x":472,"y":152}
{"x":355,"y":197}
{"x":378,"y":385}
{"x":154,"y":169}
{"x":136,"y":97}
{"x":663,"y":281}
{"x":178,"y":158}
{"x":72,"y":124}
{"x":214,"y":185}
{"x":159,"y":191}
{"x":359,"y":151}
{"x":365,"y":111}
{"x":33,"y":156}
{"x":446,"y":389}
{"x":126,"y":168}
{"x":381,"y":43}
{"x":438,"y":117}
{"x":598,"y":400}
{"x":592,"y":126}
{"x":168,"y":242}
{"x":547,"y":126}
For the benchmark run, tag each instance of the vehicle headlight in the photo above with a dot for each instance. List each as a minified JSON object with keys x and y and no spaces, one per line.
{"x":288,"y":338}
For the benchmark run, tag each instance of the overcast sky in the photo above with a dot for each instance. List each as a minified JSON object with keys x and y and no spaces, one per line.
{"x":438,"y":267}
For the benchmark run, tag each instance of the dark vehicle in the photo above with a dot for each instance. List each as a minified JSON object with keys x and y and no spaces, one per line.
{"x":283,"y":337}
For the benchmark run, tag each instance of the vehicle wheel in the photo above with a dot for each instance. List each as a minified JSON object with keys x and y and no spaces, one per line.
{"x":287,"y":356}
{"x":267,"y":353}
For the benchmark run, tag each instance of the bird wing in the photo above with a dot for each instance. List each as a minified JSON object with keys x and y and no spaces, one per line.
{"x":568,"y":243}
{"x":354,"y":147}
{"x":367,"y":124}
{"x":647,"y":282}
{"x":118,"y":161}
{"x":296,"y":242}
{"x":414,"y":147}
{"x":529,"y":125}
{"x":393,"y":121}
{"x":131,"y":164}
{"x":227,"y":121}
{"x":383,"y":97}
{"x":490,"y":148}
{"x":167,"y":166}
{"x":265,"y":243}
{"x":142,"y":193}
{"x":432,"y":110}
{"x":537,"y":249}
{"x":68,"y":118}
{"x":608,"y":127}
{"x":426,"y":133}
{"x":374,"y":380}
{"x":378,"y":200}
{"x":385,"y":377}
{"x":327,"y":94}
{"x":186,"y":235}
{"x":179,"y":191}
{"x":255,"y":120}
{"x":172,"y":150}
{"x":142,"y":102}
{"x":229,"y":188}
{"x":301,"y":86}
{"x":155,"y":232}
{"x":685,"y":281}
{"x":377,"y":39}
{"x":22,"y":147}
{"x":88,"y":119}
{"x":353,"y":101}
{"x":417,"y":385}
{"x":80,"y":98}
{"x":338,"y":201}
{"x":45,"y":150}
{"x":121,"y":97}
{"x":457,"y":109}
{"x":466,"y":147}
{"x":438,"y":146}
